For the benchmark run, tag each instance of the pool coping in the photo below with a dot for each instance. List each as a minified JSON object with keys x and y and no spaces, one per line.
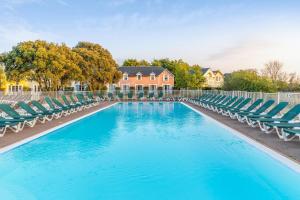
{"x":43,"y":133}
{"x":292,"y":164}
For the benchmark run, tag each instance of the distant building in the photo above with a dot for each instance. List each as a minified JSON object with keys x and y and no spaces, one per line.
{"x":214,"y":79}
{"x":142,"y":78}
{"x":11,"y":87}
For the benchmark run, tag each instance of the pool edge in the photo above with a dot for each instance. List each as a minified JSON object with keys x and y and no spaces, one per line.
{"x":292,"y":164}
{"x":43,"y":133}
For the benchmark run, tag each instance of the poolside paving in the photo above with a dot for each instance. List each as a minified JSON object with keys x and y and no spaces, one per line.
{"x":289,"y":149}
{"x":11,"y":137}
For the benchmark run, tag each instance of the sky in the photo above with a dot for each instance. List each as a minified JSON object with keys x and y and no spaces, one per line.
{"x":221,"y":34}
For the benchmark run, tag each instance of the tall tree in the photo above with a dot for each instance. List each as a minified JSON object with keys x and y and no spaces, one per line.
{"x":51,"y":65}
{"x":71,"y":62}
{"x":135,"y":63}
{"x":195,"y":78}
{"x":273,"y":70}
{"x":98,"y":66}
{"x":35,"y":60}
{"x":165,"y":63}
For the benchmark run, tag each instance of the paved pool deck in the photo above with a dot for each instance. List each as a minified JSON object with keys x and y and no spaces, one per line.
{"x":289,"y":149}
{"x":11,"y":138}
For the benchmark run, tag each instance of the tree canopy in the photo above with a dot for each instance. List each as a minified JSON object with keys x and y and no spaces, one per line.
{"x":97,"y":65}
{"x":186,"y":75}
{"x":135,"y":63}
{"x":248,"y":80}
{"x":54,"y":66}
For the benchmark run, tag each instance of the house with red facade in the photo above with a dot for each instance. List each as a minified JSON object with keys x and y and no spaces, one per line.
{"x":145,"y":78}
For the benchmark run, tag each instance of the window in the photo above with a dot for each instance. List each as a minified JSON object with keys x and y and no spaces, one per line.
{"x":15,"y":88}
{"x":167,"y":88}
{"x":139,"y":76}
{"x":152,"y":76}
{"x":152,"y":87}
{"x":125,"y":77}
{"x":139,"y":87}
{"x":166,"y":77}
{"x":125,"y":88}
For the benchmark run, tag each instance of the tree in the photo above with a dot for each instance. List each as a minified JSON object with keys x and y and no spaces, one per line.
{"x":51,"y":65}
{"x":71,"y":62}
{"x":186,"y":76}
{"x":2,"y":77}
{"x":165,"y":63}
{"x":181,"y":73}
{"x":293,"y":82}
{"x":248,"y":80}
{"x":273,"y":70}
{"x":34,"y":60}
{"x":97,"y":65}
{"x":195,"y":78}
{"x":135,"y":63}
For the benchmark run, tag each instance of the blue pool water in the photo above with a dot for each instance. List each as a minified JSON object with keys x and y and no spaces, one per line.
{"x":143,"y":151}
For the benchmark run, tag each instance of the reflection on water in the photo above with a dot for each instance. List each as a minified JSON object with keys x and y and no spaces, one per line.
{"x":143,"y":151}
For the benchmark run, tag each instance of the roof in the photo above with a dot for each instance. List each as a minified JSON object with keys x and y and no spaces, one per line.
{"x":204,"y":70}
{"x":144,"y":70}
{"x":217,"y":71}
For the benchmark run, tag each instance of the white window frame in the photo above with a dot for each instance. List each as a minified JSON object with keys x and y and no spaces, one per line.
{"x":136,"y":87}
{"x":125,"y":77}
{"x":128,"y":87}
{"x":15,"y":88}
{"x":152,"y":85}
{"x":139,"y":75}
{"x":152,"y":75}
{"x":166,"y":77}
{"x":170,"y":87}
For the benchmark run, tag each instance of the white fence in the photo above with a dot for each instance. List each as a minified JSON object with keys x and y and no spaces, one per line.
{"x":292,"y":98}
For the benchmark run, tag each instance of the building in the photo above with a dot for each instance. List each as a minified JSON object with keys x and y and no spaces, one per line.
{"x":145,"y":78}
{"x":11,"y":87}
{"x":214,"y":79}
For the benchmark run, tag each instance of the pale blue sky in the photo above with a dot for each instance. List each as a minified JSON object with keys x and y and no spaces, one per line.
{"x":223,"y":34}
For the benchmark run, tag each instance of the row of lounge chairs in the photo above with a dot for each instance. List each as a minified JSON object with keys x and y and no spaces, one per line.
{"x":28,"y":114}
{"x":160,"y":96}
{"x":262,"y":114}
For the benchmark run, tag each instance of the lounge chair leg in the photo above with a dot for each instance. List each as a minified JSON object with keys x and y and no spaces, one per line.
{"x":31,"y":123}
{"x":285,"y":135}
{"x":49,"y":118}
{"x":43,"y":120}
{"x":16,"y":128}
{"x":3,"y":131}
{"x":268,"y":129}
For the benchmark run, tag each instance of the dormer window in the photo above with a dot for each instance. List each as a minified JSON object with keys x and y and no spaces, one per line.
{"x":166,"y":77}
{"x":125,"y":76}
{"x":139,"y":76}
{"x":152,"y":76}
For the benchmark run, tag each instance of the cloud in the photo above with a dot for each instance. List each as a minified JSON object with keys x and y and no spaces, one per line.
{"x":254,"y":53}
{"x":17,"y":31}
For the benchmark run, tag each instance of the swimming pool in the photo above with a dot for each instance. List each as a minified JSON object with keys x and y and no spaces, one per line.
{"x":144,"y":151}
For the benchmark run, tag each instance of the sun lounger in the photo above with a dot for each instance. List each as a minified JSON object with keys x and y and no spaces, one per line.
{"x":24,"y":119}
{"x":251,"y":119}
{"x":42,"y":117}
{"x":242,"y":115}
